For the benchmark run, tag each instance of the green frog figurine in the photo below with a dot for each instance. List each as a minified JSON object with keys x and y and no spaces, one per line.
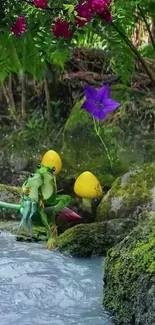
{"x":40,"y":191}
{"x":49,"y":197}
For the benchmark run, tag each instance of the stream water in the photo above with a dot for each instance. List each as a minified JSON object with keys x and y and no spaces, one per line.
{"x":38,"y":287}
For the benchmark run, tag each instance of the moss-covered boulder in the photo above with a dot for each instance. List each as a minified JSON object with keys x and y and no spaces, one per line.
{"x":94,"y":239}
{"x":129,"y":276}
{"x":130,"y":194}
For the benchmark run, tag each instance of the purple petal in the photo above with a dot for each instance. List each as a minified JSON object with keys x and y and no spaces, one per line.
{"x":99,"y":115}
{"x":89,"y":106}
{"x":110,"y":105}
{"x":103,"y":93}
{"x":91,"y":93}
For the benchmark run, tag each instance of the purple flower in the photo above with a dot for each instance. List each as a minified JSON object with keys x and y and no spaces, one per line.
{"x":98,"y":102}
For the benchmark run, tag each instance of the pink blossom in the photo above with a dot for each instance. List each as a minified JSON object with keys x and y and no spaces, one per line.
{"x":19,"y":26}
{"x":40,"y":3}
{"x":61,"y":28}
{"x":83,"y":14}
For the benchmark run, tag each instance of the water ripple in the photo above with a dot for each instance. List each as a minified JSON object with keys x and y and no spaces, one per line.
{"x":38,"y":287}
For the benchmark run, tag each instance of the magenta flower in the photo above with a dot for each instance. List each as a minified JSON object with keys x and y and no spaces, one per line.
{"x":40,"y":3}
{"x":19,"y":26}
{"x":98,"y":102}
{"x":61,"y":28}
{"x":83,"y":14}
{"x":98,"y":6}
{"x":101,"y":8}
{"x":107,"y":16}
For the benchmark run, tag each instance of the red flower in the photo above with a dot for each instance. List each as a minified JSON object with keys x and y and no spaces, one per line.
{"x":101,"y":7}
{"x":83,"y":14}
{"x":61,"y":28}
{"x":40,"y":3}
{"x":19,"y":26}
{"x":107,"y":16}
{"x":97,"y":6}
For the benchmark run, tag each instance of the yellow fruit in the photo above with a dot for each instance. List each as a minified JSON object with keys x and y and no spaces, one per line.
{"x":52,"y":159}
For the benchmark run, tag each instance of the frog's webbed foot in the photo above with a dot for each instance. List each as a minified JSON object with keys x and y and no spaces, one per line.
{"x":41,"y":204}
{"x":25,"y":191}
{"x":51,"y":243}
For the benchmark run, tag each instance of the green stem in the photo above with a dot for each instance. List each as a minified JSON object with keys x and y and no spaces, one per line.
{"x":10,"y":206}
{"x":106,"y":150}
{"x":97,"y":130}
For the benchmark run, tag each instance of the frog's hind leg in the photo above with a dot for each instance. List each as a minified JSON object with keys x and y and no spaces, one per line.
{"x":53,"y":238}
{"x":34,"y":207}
{"x":28,"y":211}
{"x":44,"y":220}
{"x":51,"y":231}
{"x":24,"y":217}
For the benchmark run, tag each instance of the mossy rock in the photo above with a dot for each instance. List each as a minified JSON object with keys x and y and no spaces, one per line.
{"x":129,"y":276}
{"x":39,"y":235}
{"x":94,"y":239}
{"x":11,"y":226}
{"x":130,"y":194}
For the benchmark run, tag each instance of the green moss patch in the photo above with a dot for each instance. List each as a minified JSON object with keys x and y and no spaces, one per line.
{"x":127,"y":193}
{"x":129,"y":290}
{"x":93,"y":239}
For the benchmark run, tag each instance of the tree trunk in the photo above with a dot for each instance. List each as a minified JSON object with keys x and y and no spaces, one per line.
{"x":23,"y":96}
{"x":8,"y":94}
{"x":48,"y":100}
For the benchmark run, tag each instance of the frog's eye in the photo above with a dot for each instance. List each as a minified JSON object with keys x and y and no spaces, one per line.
{"x":39,"y":165}
{"x":31,"y":175}
{"x":53,"y":169}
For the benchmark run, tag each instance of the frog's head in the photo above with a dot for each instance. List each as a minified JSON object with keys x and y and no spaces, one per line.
{"x":33,"y":181}
{"x":42,"y":170}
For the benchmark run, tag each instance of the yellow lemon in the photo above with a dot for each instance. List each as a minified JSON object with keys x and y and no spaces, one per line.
{"x":52,"y":159}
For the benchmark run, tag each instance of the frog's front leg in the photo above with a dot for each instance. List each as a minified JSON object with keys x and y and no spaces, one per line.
{"x":59,"y":203}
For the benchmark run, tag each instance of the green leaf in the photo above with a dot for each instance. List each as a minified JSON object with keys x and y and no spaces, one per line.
{"x":69,"y":7}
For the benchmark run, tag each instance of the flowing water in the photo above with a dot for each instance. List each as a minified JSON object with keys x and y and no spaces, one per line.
{"x":38,"y":287}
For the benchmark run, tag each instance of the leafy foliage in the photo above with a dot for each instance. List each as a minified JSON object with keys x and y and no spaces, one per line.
{"x":38,"y":45}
